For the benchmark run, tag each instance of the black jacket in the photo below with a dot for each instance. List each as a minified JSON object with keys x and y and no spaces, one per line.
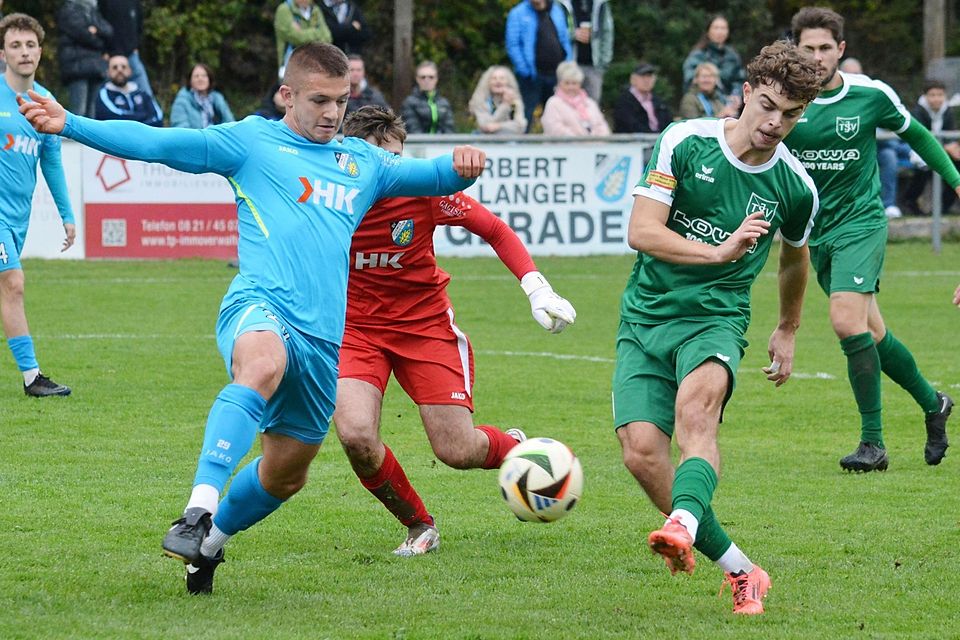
{"x":81,"y":52}
{"x":630,"y":117}
{"x":418,"y":117}
{"x":345,"y":35}
{"x":126,"y":17}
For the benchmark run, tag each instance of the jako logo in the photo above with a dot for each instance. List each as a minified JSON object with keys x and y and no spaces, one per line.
{"x":22,"y":144}
{"x":458,"y":395}
{"x":333,"y":195}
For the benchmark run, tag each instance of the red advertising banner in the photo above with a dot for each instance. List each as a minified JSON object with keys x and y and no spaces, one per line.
{"x":161,"y":230}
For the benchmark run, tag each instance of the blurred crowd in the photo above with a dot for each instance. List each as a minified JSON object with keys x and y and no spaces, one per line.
{"x":558,"y":52}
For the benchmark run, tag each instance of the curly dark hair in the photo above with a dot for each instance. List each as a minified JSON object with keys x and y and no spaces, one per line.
{"x":376,"y":121}
{"x":785,"y":64}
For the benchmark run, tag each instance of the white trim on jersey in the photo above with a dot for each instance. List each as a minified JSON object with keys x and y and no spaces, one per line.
{"x":669,"y":139}
{"x":860,"y":80}
{"x":463,"y":347}
{"x":797,"y":167}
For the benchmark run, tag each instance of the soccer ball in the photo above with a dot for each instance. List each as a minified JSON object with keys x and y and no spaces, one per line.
{"x":541,"y":480}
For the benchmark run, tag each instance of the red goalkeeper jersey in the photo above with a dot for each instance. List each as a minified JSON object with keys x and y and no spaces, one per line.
{"x":394,"y":276}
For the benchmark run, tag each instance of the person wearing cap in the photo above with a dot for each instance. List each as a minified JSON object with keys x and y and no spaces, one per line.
{"x":638,"y":109}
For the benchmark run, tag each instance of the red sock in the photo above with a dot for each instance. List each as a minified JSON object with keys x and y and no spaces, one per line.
{"x":391,"y":487}
{"x":500,"y":445}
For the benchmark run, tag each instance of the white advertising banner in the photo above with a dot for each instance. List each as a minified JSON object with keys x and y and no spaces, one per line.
{"x":565,"y":199}
{"x":561,"y":198}
{"x":45,"y":235}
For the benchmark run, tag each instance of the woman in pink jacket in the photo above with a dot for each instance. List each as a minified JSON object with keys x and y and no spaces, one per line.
{"x":571,"y":112}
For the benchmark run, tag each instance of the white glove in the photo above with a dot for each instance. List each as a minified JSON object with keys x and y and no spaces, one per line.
{"x":550,"y":310}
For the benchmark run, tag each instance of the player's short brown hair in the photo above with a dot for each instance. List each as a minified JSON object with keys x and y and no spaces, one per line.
{"x":817,"y":18}
{"x":374,"y":121}
{"x":20,"y":22}
{"x":783,"y":63}
{"x":315,"y":57}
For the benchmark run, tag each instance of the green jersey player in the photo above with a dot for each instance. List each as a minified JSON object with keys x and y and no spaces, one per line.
{"x":703,"y":221}
{"x":837,"y":144}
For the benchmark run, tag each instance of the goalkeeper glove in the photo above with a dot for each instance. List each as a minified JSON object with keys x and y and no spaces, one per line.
{"x":550,"y":310}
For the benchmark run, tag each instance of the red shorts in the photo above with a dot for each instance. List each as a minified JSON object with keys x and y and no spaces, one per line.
{"x":432,"y":360}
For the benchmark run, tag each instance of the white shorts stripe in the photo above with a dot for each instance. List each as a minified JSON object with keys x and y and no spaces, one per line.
{"x":464,"y":348}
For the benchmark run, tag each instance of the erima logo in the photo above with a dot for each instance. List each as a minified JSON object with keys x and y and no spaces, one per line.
{"x":857,"y":280}
{"x":334,"y":196}
{"x":723,"y":357}
{"x":372,"y":260}
{"x":704,"y":174}
{"x":22,"y":144}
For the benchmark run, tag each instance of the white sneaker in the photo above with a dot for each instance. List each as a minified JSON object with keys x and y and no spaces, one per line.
{"x":893,"y":211}
{"x":516,"y":434}
{"x":422,"y":539}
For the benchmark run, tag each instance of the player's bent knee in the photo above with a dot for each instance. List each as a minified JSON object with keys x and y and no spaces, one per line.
{"x":456,"y":457}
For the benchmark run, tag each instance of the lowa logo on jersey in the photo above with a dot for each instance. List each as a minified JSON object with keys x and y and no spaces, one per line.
{"x":761,"y":205}
{"x":346,"y":162}
{"x":847,"y":128}
{"x":402,"y":232}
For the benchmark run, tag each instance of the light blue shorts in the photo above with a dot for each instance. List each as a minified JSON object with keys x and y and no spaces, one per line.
{"x":10,"y":247}
{"x":303,"y":404}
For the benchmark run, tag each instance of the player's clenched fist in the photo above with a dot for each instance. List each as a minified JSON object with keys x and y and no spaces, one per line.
{"x":468,"y":161}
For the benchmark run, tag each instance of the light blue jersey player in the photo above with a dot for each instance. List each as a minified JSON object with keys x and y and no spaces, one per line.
{"x":300,"y":195}
{"x":21,"y":148}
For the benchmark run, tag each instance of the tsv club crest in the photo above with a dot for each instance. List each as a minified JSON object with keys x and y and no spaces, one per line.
{"x":847,"y":128}
{"x":611,"y":173}
{"x":402,"y":232}
{"x":347,"y":164}
{"x":757,"y":204}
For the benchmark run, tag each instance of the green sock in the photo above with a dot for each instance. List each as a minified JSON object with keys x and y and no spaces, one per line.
{"x":712,"y":541}
{"x":897,"y":362}
{"x":693,"y":486}
{"x":863,"y":369}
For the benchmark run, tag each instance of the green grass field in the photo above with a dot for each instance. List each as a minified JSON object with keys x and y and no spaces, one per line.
{"x":89,"y":484}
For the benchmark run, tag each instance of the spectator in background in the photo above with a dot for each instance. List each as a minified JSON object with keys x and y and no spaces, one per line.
{"x":126,"y":18}
{"x":571,"y":112}
{"x":198,"y":105}
{"x":713,"y":47}
{"x":638,"y":109}
{"x":537,"y":40}
{"x":888,"y":154}
{"x":272,"y":106}
{"x":362,"y":93}
{"x":933,"y":113}
{"x":122,"y":99}
{"x":592,"y":40}
{"x":705,"y":98}
{"x":297,"y":22}
{"x":496,"y":104}
{"x":425,"y":110}
{"x":82,"y":52}
{"x":347,"y":27}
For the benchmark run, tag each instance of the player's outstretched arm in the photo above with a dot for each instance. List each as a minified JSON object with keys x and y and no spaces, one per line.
{"x":182,"y":149}
{"x":932,"y":152}
{"x":792,"y":278}
{"x":438,"y":176}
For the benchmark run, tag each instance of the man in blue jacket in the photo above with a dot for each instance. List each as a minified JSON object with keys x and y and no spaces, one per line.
{"x":537,"y":41}
{"x":122,"y":99}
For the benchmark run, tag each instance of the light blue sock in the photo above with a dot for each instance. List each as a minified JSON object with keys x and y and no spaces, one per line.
{"x":246,"y":503}
{"x":229,"y":435}
{"x":23,"y":353}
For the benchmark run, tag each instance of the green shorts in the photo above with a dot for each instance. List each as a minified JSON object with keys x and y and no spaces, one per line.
{"x":850,"y":262}
{"x":652,"y":360}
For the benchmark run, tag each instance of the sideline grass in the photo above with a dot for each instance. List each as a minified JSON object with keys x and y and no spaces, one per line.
{"x":89,"y":483}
